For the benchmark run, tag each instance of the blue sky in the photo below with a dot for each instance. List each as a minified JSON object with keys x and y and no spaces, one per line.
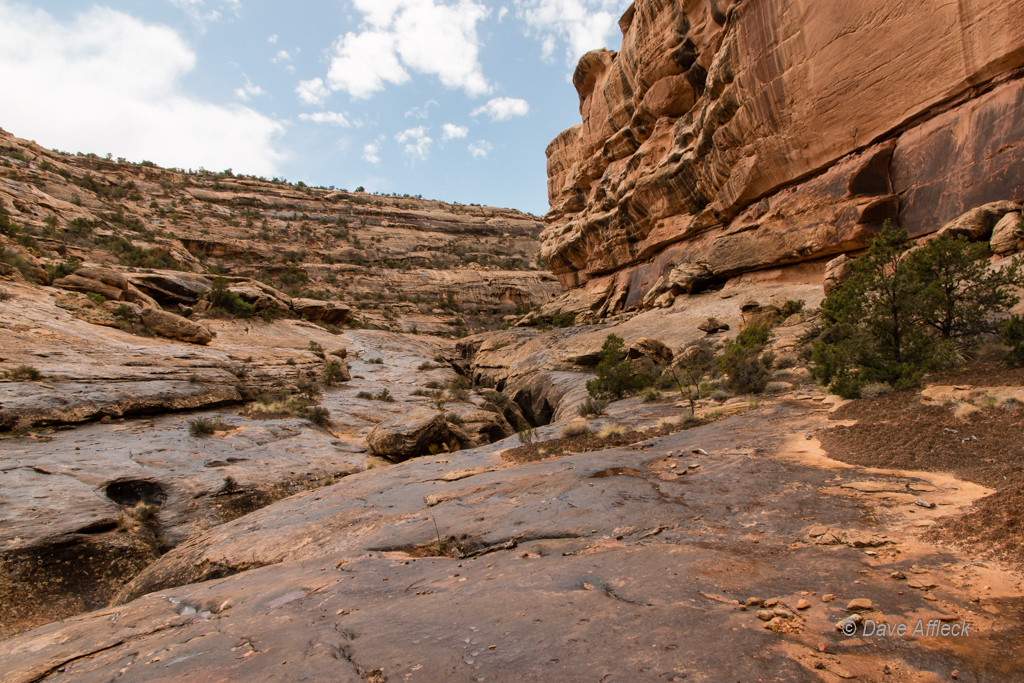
{"x":452,"y":99}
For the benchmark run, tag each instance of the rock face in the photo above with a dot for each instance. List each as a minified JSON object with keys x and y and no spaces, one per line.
{"x":175,"y":327}
{"x":397,"y":258}
{"x":729,"y":137}
{"x":409,"y":435}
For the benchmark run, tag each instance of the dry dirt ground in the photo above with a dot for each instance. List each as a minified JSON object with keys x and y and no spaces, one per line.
{"x":986,"y":447}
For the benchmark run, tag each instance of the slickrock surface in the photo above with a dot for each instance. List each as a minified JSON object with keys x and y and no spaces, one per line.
{"x":599,"y":565}
{"x":730,"y":136}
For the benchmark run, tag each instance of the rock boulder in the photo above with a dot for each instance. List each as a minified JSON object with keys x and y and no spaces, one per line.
{"x":175,"y":327}
{"x":409,"y":435}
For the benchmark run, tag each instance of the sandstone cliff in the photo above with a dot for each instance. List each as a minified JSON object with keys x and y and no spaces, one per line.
{"x":402,"y":262}
{"x":728,"y":137}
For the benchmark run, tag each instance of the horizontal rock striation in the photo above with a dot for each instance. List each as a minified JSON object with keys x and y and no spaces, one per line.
{"x":727,"y":137}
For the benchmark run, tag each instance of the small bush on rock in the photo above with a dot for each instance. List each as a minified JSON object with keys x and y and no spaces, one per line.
{"x":592,"y":407}
{"x":615,"y":374}
{"x":204,"y":426}
{"x":576,"y":429}
{"x":25,"y":373}
{"x":745,"y":362}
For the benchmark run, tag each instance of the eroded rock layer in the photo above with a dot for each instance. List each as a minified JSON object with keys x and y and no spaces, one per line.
{"x":730,"y":136}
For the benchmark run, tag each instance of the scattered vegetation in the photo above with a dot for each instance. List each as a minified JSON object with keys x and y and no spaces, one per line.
{"x":615,"y":375}
{"x":333,"y":373}
{"x":591,"y":407}
{"x":204,"y":426}
{"x":906,"y":311}
{"x":226,"y":301}
{"x":24,"y":373}
{"x":689,"y":368}
{"x":526,"y":432}
{"x":745,"y":362}
{"x":574,"y":429}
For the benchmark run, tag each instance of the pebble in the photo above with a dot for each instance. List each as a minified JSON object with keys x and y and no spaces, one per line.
{"x":828,"y":597}
{"x":765,"y":614}
{"x":771,"y":602}
{"x":802,"y":604}
{"x":924,"y":503}
{"x":899,"y":576}
{"x":859,"y":604}
{"x":754,"y":602}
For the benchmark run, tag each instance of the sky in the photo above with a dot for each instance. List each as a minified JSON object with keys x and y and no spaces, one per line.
{"x":449,"y":99}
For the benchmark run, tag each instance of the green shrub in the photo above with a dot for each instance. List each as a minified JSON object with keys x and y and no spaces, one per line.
{"x":365,"y":394}
{"x":426,"y":365}
{"x":1012,"y":332}
{"x":593,"y":406}
{"x":902,"y":314}
{"x":316,"y":349}
{"x":25,"y":373}
{"x":333,"y":373}
{"x":204,"y":426}
{"x":792,"y":308}
{"x":688,"y":369}
{"x":375,"y":361}
{"x":318,"y":415}
{"x":63,"y":268}
{"x":651,"y":394}
{"x":745,"y":363}
{"x":563,"y":320}
{"x":223,"y":299}
{"x":383,"y":395}
{"x":615,"y":374}
{"x":526,"y":433}
{"x":453,"y":418}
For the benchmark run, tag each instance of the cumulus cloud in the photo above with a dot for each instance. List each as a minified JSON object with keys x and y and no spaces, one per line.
{"x":249,"y":90}
{"x":480,"y":148}
{"x":503,"y":108}
{"x":421,"y":112}
{"x":272,"y":39}
{"x":281,"y":56}
{"x":452,"y":132}
{"x":331,"y":117}
{"x":107,"y":82}
{"x":312,"y":91}
{"x":417,"y":144}
{"x":399,"y":36}
{"x":502,"y":13}
{"x":371,"y":151}
{"x":581,"y":25}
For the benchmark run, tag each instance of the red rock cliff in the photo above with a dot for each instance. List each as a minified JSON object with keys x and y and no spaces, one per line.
{"x":731,"y":136}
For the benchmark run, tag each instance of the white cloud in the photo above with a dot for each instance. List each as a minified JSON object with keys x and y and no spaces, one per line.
{"x":371,"y":152}
{"x":451,"y":132}
{"x":249,"y":90}
{"x":417,"y":35}
{"x":582,"y":25}
{"x":272,"y":39}
{"x":503,"y":108}
{"x":421,"y":112}
{"x":480,"y":148}
{"x":331,"y":117}
{"x":501,"y":13}
{"x":417,"y":144}
{"x":123,"y":77}
{"x":312,"y":91}
{"x":281,"y":56}
{"x":363,"y":63}
{"x":198,"y":12}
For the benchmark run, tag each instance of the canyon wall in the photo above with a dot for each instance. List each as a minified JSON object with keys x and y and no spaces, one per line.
{"x":727,"y":137}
